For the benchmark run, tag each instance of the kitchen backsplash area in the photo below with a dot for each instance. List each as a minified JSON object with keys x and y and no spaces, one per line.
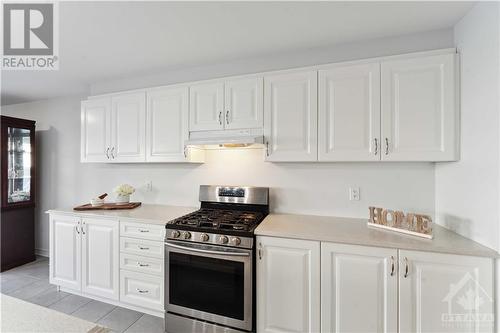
{"x":318,"y":189}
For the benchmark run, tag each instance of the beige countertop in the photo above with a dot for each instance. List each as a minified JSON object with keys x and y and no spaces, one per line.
{"x":147,"y":213}
{"x":355,"y":231}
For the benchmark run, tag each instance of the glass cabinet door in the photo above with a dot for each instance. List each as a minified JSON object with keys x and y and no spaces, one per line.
{"x":18,"y":165}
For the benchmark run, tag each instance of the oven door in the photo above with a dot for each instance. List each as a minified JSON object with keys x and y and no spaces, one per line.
{"x":209,"y":282}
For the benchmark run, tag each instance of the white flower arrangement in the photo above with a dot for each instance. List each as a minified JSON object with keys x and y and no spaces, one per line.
{"x":124,"y":190}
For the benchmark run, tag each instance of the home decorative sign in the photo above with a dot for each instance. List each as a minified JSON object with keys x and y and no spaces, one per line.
{"x":409,"y":223}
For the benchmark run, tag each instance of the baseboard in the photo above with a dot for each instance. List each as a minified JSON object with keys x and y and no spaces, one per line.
{"x":42,"y":252}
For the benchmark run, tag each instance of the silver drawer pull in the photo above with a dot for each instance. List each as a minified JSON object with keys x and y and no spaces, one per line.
{"x":142,"y":265}
{"x":142,"y":248}
{"x":143,"y":230}
{"x":142,"y":291}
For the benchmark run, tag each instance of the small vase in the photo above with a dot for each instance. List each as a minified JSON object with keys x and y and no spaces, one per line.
{"x":122,"y":199}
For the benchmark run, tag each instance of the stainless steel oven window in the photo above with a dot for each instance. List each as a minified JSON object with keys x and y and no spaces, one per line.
{"x":231,"y":255}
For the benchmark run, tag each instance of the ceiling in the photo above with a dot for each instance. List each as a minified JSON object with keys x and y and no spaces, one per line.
{"x":102,"y":41}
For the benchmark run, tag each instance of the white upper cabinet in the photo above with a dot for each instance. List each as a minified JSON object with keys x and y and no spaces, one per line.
{"x":100,"y":257}
{"x":436,"y":290}
{"x":167,"y":125}
{"x":359,"y":288}
{"x":128,"y":127}
{"x":420,"y":109}
{"x":288,"y":285}
{"x":400,"y":108}
{"x":206,"y":106}
{"x":244,"y":103}
{"x":95,"y":130}
{"x":349,"y":113}
{"x":291,"y":116}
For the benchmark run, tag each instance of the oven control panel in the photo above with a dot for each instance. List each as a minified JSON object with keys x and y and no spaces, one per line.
{"x":234,"y":192}
{"x":209,"y":238}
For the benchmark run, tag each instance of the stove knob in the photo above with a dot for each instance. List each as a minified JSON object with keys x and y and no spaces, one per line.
{"x":186,"y":234}
{"x":235,"y":241}
{"x":223,"y":239}
{"x":204,"y":237}
{"x":175,"y":234}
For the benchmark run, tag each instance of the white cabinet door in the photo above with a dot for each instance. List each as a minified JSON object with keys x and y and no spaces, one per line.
{"x":290,"y":116}
{"x":100,"y":258}
{"x":206,"y":106}
{"x":445,"y":293}
{"x":95,"y":130}
{"x":359,"y":289}
{"x":167,"y":124}
{"x":65,"y":251}
{"x":349,"y":113}
{"x":419,"y":109}
{"x":288,"y":285}
{"x":128,"y":124}
{"x":244,"y":104}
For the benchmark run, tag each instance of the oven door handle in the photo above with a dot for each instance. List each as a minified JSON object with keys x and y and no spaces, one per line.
{"x":223,"y":253}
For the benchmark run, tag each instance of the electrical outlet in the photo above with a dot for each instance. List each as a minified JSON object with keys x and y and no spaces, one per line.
{"x":354,"y":193}
{"x":149,"y":186}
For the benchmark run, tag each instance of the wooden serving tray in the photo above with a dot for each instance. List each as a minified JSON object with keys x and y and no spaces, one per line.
{"x":108,"y":206}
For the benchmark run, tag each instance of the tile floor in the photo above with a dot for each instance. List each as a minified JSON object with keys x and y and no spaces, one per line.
{"x":31,"y":283}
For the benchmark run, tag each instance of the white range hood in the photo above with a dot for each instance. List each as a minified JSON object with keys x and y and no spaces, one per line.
{"x":240,"y":141}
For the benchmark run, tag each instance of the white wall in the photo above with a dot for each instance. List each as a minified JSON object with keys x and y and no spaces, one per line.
{"x":428,"y":40}
{"x":468,"y":191}
{"x":295,"y":187}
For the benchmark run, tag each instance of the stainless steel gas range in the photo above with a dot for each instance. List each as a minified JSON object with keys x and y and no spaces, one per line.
{"x":210,"y":262}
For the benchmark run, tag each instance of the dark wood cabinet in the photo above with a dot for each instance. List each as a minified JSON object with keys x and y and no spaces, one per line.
{"x":18,"y":178}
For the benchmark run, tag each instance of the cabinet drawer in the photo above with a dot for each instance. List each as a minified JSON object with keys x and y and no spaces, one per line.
{"x":141,"y":290}
{"x":141,"y":247}
{"x":143,"y":231}
{"x":141,"y":264}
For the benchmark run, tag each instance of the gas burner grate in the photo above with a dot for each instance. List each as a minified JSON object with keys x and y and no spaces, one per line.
{"x":220,"y":219}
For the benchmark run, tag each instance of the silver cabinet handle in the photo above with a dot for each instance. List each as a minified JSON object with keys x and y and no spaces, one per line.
{"x":142,"y":248}
{"x":392,"y":265}
{"x":112,"y":150}
{"x":227,"y":117}
{"x":386,"y":146}
{"x":142,"y":265}
{"x":406,"y":267}
{"x":143,"y":230}
{"x":376,"y":146}
{"x":107,"y":153}
{"x":267,"y":148}
{"x":185,"y":151}
{"x":83,"y":229}
{"x":76,"y":228}
{"x":220,"y":117}
{"x":142,"y":291}
{"x":260,"y":251}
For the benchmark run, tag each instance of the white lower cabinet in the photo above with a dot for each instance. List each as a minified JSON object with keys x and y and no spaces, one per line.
{"x":359,"y":288}
{"x":84,"y":255}
{"x":100,"y":258}
{"x":141,"y":289}
{"x":65,"y":251}
{"x":445,"y":293}
{"x":358,"y":282}
{"x":86,"y":259}
{"x":288,"y":282}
